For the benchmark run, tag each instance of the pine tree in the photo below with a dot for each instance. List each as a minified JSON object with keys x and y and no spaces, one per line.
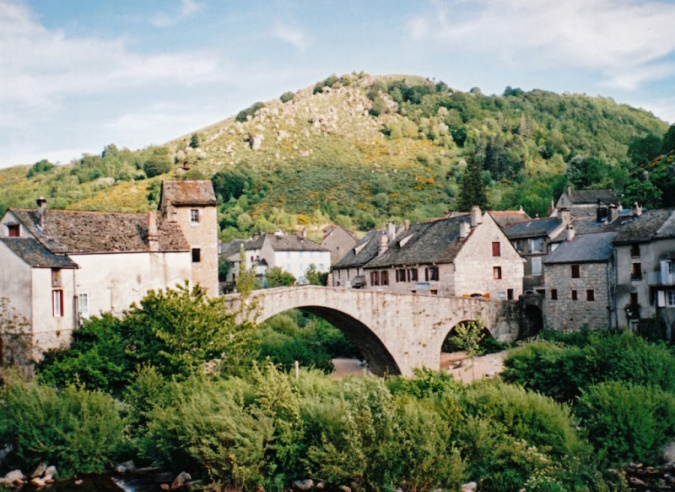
{"x":472,"y":191}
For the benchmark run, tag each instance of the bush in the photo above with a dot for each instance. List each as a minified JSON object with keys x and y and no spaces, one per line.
{"x":159,"y":162}
{"x":627,"y":422}
{"x":287,"y":96}
{"x":42,"y":166}
{"x":77,"y":430}
{"x":242,"y":116}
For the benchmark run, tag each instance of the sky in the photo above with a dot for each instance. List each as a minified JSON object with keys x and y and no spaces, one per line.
{"x":78,"y":75}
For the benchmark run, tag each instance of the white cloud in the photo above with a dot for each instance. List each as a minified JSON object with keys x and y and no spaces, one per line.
{"x":291,"y":35}
{"x":627,"y":42}
{"x":187,"y":8}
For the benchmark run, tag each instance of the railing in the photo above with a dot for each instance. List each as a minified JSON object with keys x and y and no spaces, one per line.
{"x":656,"y":278}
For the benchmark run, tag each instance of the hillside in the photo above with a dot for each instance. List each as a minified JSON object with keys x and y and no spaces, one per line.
{"x":359,"y":149}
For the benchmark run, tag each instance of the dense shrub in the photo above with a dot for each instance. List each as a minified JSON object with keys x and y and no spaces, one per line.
{"x":287,"y":96}
{"x":159,"y":162}
{"x":42,"y":166}
{"x":627,"y":422}
{"x":77,"y":430}
{"x":243,"y":115}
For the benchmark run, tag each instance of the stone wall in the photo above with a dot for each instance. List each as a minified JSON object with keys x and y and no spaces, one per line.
{"x":566,"y":313}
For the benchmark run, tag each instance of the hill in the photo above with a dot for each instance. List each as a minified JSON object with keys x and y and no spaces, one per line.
{"x":359,"y":149}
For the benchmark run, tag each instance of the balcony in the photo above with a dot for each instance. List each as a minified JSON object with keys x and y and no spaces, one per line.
{"x":658,"y":278}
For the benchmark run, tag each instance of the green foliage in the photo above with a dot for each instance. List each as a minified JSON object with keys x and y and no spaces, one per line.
{"x":562,"y":370}
{"x":668,"y":144}
{"x":468,"y":337}
{"x":627,"y":422}
{"x":246,"y":281}
{"x":287,"y":96}
{"x":15,"y":339}
{"x":278,"y":277}
{"x":472,"y":191}
{"x":243,"y":115}
{"x":224,"y":267}
{"x":195,"y":140}
{"x":643,"y":150}
{"x":80,"y":431}
{"x":159,"y":162}
{"x":231,"y":182}
{"x":42,"y":166}
{"x":314,"y":277}
{"x":643,"y":193}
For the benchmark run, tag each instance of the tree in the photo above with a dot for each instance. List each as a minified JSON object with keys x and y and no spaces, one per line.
{"x":42,"y":166}
{"x":276,"y":277}
{"x":159,"y":162}
{"x":287,"y":96}
{"x":588,"y":172}
{"x":246,"y":281}
{"x":643,"y":150}
{"x":224,"y":267}
{"x":643,"y":193}
{"x":195,"y":140}
{"x":668,"y":144}
{"x":467,"y":337}
{"x":314,"y":277}
{"x":472,"y":191}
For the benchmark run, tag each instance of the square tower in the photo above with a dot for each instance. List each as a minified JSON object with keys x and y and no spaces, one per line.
{"x":192,"y":204}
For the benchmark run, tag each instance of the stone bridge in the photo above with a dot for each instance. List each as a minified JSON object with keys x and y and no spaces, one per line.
{"x":395,"y":332}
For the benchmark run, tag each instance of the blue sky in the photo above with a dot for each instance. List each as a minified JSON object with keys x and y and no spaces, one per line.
{"x":77,"y":75}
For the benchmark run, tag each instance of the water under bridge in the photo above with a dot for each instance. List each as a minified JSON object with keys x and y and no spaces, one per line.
{"x":395,"y":332}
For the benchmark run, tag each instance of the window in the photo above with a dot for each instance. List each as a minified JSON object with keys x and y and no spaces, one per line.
{"x":496,"y":249}
{"x":636,"y":273}
{"x":535,"y":245}
{"x":412,"y":275}
{"x":196,"y":255}
{"x":384,"y":276}
{"x":518,"y":244}
{"x":374,"y":278}
{"x":194,"y":216}
{"x":56,"y":277}
{"x":83,"y":305}
{"x":633,"y":299}
{"x":575,"y":271}
{"x":497,"y":272}
{"x":554,"y":294}
{"x":670,"y":298}
{"x":574,"y":295}
{"x":536,"y":265}
{"x":400,"y":275}
{"x":590,"y":295}
{"x":57,"y":303}
{"x":509,"y":294}
{"x":14,"y":230}
{"x":431,"y":273}
{"x":635,"y":250}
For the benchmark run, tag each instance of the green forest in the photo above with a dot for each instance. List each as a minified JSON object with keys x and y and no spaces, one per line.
{"x":179,"y":384}
{"x":358,"y":150}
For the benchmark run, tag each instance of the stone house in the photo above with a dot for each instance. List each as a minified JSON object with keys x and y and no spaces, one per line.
{"x":645,"y":269}
{"x":460,"y":255}
{"x":60,"y":266}
{"x":579,"y":280}
{"x":586,"y":203}
{"x":532,"y":239}
{"x":290,"y":252}
{"x":339,"y":241}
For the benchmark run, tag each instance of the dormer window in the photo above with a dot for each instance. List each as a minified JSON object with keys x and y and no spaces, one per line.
{"x":14,"y":230}
{"x":194,"y":216}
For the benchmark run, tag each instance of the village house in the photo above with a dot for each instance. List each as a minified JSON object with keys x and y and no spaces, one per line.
{"x":60,"y":266}
{"x":339,"y":241}
{"x":586,"y":203}
{"x":290,"y":252}
{"x":645,"y":269}
{"x":460,"y":255}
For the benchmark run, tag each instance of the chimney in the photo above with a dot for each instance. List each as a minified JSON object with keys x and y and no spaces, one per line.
{"x":569,"y":192}
{"x":304,"y":233}
{"x":170,"y":216}
{"x":153,"y":236}
{"x":551,"y":208}
{"x":41,"y":210}
{"x":476,"y":216}
{"x":391,"y":231}
{"x":613,"y":213}
{"x":464,"y":229}
{"x":406,"y":224}
{"x":636,"y":210}
{"x":566,"y":216}
{"x":570,"y":232}
{"x":384,"y":244}
{"x":521,"y":209}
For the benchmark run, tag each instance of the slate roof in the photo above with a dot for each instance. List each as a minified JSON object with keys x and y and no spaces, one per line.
{"x":35,"y":254}
{"x":591,"y":197}
{"x":185,"y":193}
{"x":331,"y":229}
{"x":68,"y":231}
{"x":652,"y":224}
{"x":587,"y":248}
{"x":586,"y":226}
{"x":533,"y":228}
{"x":505,"y":218}
{"x":435,"y":241}
{"x":367,"y":248}
{"x":293,"y":242}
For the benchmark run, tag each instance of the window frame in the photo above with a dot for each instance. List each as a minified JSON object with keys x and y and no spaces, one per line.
{"x":537,"y":260}
{"x":554,"y":294}
{"x":590,"y":295}
{"x":375,"y":278}
{"x":80,"y":312}
{"x":496,"y":249}
{"x":196,"y":255}
{"x":636,"y":271}
{"x":497,"y":273}
{"x":194,"y":216}
{"x":57,"y":303}
{"x":384,"y":277}
{"x":14,"y":230}
{"x":575,"y":271}
{"x":575,"y":296}
{"x":635,"y":250}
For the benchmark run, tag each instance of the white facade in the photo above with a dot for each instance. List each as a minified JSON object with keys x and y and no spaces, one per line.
{"x":297,"y":262}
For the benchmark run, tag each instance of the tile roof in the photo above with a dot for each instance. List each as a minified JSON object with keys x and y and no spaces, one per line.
{"x":367,"y":248}
{"x":185,"y":193}
{"x":587,"y":248}
{"x":68,"y":231}
{"x":35,"y":254}
{"x":436,"y":241}
{"x":533,"y":228}
{"x":506,"y":218}
{"x":652,"y":224}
